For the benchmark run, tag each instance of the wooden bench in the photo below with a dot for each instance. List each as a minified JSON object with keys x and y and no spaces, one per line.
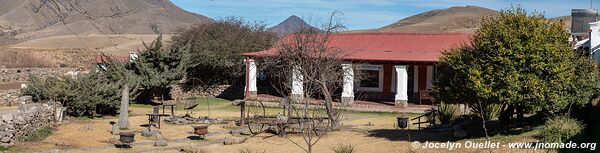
{"x":425,"y":95}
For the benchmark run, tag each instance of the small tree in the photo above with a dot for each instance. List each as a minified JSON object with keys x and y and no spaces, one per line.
{"x":319,"y":65}
{"x":216,"y":47}
{"x":518,"y":61}
{"x":159,"y":68}
{"x":87,"y":95}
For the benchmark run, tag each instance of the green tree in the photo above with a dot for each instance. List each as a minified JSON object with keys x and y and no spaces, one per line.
{"x":216,"y":48}
{"x":99,"y":92}
{"x":158,"y":68}
{"x":86,"y":95}
{"x":517,"y":60}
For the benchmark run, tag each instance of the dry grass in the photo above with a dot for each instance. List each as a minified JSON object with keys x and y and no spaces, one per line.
{"x":42,"y":58}
{"x":19,"y":59}
{"x":379,"y":136}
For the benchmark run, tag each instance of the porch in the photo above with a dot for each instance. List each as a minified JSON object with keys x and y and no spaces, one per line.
{"x":358,"y":105}
{"x":377,"y":91}
{"x":399,"y":68}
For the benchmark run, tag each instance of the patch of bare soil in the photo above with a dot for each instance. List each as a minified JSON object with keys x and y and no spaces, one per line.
{"x":368,"y":133}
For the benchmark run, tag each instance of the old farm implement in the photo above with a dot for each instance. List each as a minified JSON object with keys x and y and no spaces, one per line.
{"x":259,"y":120}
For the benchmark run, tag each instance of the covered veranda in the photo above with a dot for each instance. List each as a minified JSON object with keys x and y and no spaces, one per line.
{"x":399,"y":68}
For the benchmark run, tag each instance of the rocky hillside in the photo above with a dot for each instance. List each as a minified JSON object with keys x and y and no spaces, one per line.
{"x":454,"y":19}
{"x":18,"y":18}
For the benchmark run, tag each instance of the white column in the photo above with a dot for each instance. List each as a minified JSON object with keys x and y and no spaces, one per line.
{"x":416,"y":79}
{"x":401,"y":86}
{"x":297,"y":83}
{"x":251,"y":77}
{"x":429,"y":80}
{"x":348,"y":87}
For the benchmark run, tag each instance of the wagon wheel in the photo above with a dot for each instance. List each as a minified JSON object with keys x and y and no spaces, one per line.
{"x":255,"y":114}
{"x":321,"y":126}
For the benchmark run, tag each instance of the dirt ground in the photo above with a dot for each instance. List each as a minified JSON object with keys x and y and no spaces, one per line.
{"x":368,"y":132}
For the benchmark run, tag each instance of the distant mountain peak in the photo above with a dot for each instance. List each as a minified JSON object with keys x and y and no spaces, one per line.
{"x":290,"y":25}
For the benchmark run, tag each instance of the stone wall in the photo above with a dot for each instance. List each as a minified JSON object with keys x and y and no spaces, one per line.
{"x":13,"y":97}
{"x":28,"y":119}
{"x":22,"y":74}
{"x":221,"y":91}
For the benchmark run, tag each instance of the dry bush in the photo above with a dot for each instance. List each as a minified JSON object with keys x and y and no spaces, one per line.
{"x":193,"y":149}
{"x":41,"y":58}
{"x":22,"y":59}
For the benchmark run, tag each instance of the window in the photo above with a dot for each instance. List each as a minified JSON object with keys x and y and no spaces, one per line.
{"x":373,"y":78}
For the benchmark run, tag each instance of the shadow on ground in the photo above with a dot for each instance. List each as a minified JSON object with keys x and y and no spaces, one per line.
{"x":474,"y":130}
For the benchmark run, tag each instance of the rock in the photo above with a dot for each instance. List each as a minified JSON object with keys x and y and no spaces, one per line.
{"x":235,"y":133}
{"x":51,"y":151}
{"x":5,"y":139}
{"x":192,"y":149}
{"x":230,"y":125}
{"x":25,"y":98}
{"x":160,"y":143}
{"x":233,"y":140}
{"x":62,"y":144}
{"x":7,"y":117}
{"x":150,"y":132}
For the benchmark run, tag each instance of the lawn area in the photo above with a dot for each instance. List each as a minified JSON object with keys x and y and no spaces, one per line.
{"x":366,"y":131}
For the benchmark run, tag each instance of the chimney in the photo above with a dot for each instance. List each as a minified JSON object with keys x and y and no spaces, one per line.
{"x":580,"y":22}
{"x":595,"y":40}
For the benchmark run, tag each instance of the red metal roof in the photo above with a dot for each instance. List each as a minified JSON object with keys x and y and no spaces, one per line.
{"x":396,"y":47}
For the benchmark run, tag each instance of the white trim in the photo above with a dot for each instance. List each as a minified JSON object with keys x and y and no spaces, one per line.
{"x":251,"y":70}
{"x":348,"y":80}
{"x":402,"y":86}
{"x":371,"y":67}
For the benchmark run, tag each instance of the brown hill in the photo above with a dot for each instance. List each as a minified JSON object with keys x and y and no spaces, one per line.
{"x":290,"y":25}
{"x":454,"y":19}
{"x":109,"y":16}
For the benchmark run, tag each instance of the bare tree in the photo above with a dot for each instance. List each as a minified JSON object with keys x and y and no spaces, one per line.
{"x":307,"y":56}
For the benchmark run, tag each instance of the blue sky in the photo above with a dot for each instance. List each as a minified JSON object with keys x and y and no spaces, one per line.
{"x":360,"y":14}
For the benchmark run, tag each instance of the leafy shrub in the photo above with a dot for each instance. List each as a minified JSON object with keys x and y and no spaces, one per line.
{"x":216,"y":47}
{"x":561,"y":129}
{"x":489,"y":111}
{"x":344,"y":148}
{"x":39,"y":135}
{"x":447,"y":113}
{"x":89,"y":94}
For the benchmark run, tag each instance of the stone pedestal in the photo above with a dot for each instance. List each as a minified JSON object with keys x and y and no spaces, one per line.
{"x":347,"y":101}
{"x":401,"y":103}
{"x":253,"y":93}
{"x":296,"y":97}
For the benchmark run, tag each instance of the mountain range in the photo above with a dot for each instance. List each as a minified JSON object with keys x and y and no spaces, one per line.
{"x":453,"y":19}
{"x":18,"y":18}
{"x":18,"y":21}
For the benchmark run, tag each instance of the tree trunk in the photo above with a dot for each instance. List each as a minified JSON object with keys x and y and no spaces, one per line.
{"x":331,"y":113}
{"x":124,"y":110}
{"x":520,"y":113}
{"x":506,"y":115}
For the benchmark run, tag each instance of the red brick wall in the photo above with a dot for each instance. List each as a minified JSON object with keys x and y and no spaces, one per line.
{"x":387,"y":78}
